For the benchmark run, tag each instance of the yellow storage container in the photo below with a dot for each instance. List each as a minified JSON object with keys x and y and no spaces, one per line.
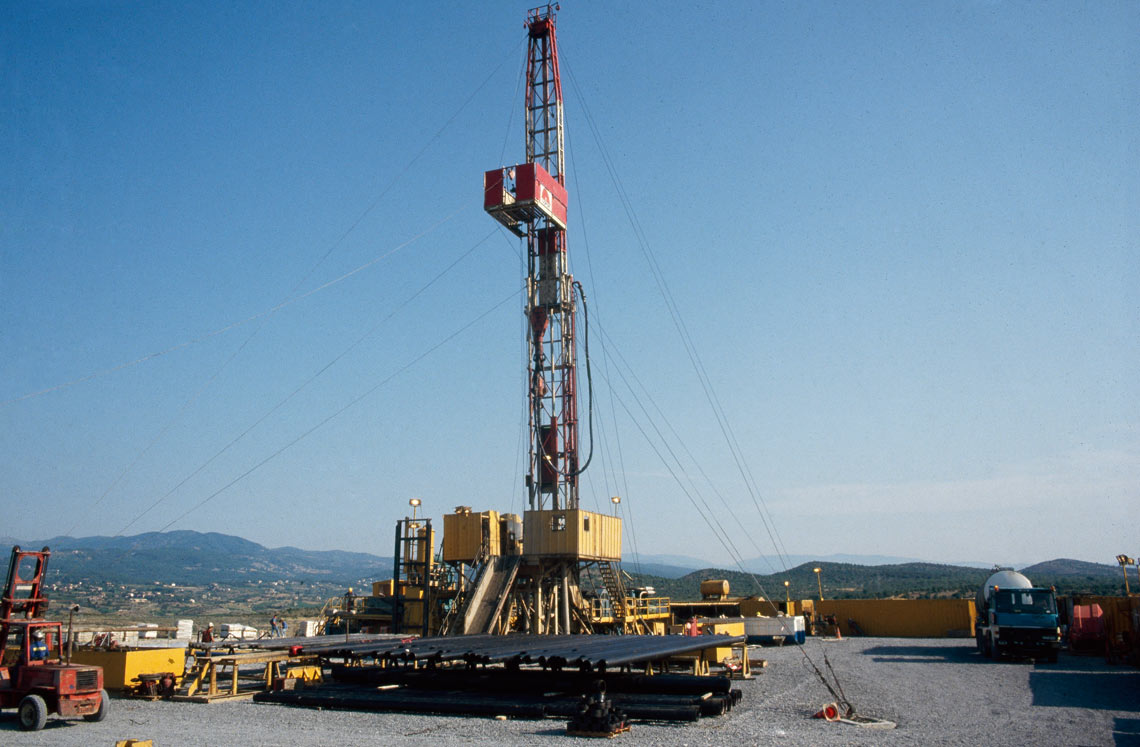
{"x":902,"y":618}
{"x":736,"y":627}
{"x":572,"y":533}
{"x":121,"y":667}
{"x":465,"y":532}
{"x":753,"y":606}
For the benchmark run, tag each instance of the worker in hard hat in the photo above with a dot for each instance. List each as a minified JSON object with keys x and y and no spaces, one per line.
{"x":39,"y":651}
{"x":208,"y":634}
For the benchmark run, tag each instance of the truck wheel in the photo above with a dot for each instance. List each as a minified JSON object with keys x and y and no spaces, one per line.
{"x":104,"y":706}
{"x":33,"y":713}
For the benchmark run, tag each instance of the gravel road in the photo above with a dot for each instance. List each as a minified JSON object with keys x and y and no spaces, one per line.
{"x":938,"y":691}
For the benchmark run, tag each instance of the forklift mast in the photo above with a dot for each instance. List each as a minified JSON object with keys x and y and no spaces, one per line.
{"x":23,"y":591}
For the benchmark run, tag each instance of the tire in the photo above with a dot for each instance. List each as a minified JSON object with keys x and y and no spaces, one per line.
{"x":33,"y":713}
{"x":988,"y":647}
{"x":104,"y":706}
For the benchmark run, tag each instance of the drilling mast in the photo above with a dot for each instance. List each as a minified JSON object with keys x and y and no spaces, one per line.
{"x":531,"y":200}
{"x":560,"y":541}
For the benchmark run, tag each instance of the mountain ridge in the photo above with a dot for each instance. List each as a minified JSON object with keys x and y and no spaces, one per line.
{"x":188,"y":557}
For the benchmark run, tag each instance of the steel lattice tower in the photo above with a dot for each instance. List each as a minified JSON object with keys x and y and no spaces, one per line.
{"x":530,"y":199}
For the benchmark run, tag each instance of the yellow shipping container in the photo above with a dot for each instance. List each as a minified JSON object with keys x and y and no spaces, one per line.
{"x":122,"y":666}
{"x":902,"y":618}
{"x":715,"y":627}
{"x":465,"y":532}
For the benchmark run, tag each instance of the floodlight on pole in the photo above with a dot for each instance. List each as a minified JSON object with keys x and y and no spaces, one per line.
{"x":415,"y":504}
{"x":787,"y":594}
{"x":819,"y":581}
{"x":615,"y":500}
{"x":1125,"y":561}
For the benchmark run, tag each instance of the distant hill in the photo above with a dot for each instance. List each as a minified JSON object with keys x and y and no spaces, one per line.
{"x":771,"y":563}
{"x":188,"y":557}
{"x":675,"y":566}
{"x":1073,"y":569}
{"x":662,"y":570}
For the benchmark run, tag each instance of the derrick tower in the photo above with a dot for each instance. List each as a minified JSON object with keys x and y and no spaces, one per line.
{"x":540,"y":590}
{"x":556,"y":569}
{"x":531,"y":200}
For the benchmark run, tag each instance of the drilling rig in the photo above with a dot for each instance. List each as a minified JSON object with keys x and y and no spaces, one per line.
{"x":502,"y":573}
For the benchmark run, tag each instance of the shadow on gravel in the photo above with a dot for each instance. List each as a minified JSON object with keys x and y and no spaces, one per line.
{"x":922,"y":654}
{"x":9,"y":721}
{"x":1085,"y":683}
{"x":1126,"y":731}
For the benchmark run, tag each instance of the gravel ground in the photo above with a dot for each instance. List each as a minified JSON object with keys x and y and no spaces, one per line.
{"x":938,"y":692}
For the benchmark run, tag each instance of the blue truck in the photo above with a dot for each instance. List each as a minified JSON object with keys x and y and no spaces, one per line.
{"x":1016,"y":619}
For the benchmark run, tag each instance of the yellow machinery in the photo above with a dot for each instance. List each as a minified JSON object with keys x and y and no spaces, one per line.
{"x":716,"y":602}
{"x":122,"y":667}
{"x":484,"y":579}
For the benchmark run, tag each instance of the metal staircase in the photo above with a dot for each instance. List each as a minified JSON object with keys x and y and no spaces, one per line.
{"x":478,"y":610}
{"x":616,"y":590}
{"x":624,"y":618}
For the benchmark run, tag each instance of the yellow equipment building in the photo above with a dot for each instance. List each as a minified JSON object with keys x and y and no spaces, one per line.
{"x":548,"y":571}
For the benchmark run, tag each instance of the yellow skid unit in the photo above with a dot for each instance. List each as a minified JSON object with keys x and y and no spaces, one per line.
{"x":122,"y":666}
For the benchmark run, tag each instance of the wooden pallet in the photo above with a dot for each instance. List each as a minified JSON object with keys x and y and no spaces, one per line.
{"x":208,"y":679}
{"x":597,"y":734}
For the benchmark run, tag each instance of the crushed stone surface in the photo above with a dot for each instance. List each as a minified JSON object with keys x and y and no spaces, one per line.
{"x":937,"y":692}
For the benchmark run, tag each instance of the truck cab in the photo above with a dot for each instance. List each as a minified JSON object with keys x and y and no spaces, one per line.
{"x":1018,"y":622}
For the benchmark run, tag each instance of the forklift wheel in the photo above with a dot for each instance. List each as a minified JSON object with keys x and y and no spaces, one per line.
{"x":104,"y":706}
{"x":33,"y":713}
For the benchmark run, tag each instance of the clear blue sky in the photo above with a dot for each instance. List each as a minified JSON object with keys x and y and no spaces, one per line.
{"x":903,"y":237}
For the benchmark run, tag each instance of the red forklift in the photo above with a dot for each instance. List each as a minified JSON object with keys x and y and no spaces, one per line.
{"x":35,"y":677}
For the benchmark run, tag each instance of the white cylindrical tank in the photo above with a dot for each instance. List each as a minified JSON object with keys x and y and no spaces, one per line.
{"x":1002,"y":580}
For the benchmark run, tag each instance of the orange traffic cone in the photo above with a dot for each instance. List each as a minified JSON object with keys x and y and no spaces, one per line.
{"x":830,"y":712}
